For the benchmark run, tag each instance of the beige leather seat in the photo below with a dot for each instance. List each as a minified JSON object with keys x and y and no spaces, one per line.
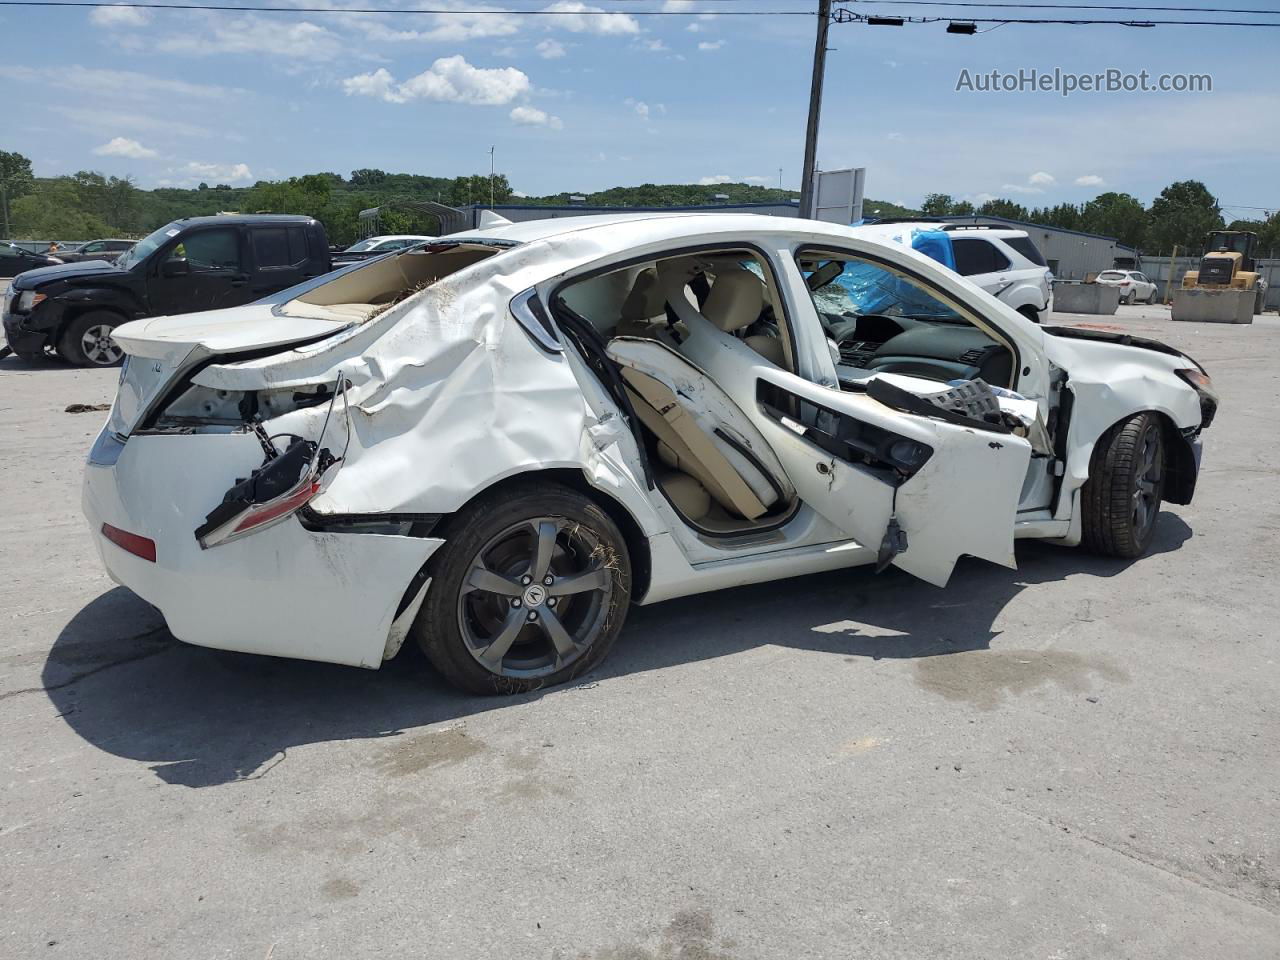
{"x":702,"y":436}
{"x":735,"y":302}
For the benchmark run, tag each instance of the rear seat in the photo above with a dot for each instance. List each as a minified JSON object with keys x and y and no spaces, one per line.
{"x":702,"y":436}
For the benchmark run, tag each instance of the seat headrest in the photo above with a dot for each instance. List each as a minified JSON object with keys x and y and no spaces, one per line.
{"x":735,"y":301}
{"x":645,"y":299}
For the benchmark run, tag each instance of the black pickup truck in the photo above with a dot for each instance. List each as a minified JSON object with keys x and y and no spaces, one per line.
{"x":200,"y":263}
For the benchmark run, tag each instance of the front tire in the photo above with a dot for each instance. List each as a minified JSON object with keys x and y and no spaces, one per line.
{"x":529,"y":590}
{"x":86,"y":341}
{"x":1121,"y":499}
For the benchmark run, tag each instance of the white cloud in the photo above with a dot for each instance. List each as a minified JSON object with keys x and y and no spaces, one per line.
{"x":533,"y":117}
{"x":109,"y":121}
{"x":1090,"y":180}
{"x":119,"y":17}
{"x":550,"y":49}
{"x":710,"y":44}
{"x":578,"y":17}
{"x":115,"y":83}
{"x":218,"y":172}
{"x":270,"y":37}
{"x":677,"y":6}
{"x":124,"y":147}
{"x":893,"y":135}
{"x":449,"y":80}
{"x":1019,"y":188}
{"x":694,"y":27}
{"x":474,"y":21}
{"x":1042,"y":179}
{"x":641,"y":108}
{"x":720,"y":178}
{"x":652,"y":45}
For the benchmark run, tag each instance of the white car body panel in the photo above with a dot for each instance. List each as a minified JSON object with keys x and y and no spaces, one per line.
{"x":448,"y":395}
{"x":284,"y":591}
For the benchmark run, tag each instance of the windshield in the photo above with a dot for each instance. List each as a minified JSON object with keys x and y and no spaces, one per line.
{"x":364,"y":246}
{"x":863,"y":288}
{"x":1111,"y":275}
{"x":147,"y":246}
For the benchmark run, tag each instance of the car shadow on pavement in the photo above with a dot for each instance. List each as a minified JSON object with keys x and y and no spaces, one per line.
{"x":205,"y":717}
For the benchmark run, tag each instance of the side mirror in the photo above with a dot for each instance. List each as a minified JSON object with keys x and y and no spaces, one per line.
{"x":175,"y":267}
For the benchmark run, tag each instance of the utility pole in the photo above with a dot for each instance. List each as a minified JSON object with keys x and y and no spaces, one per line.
{"x":807,"y":198}
{"x":491,"y":178}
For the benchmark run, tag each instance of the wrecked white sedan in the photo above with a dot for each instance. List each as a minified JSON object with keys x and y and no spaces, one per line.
{"x":497,"y":441}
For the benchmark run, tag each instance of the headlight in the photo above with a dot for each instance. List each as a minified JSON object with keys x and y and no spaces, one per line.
{"x":27,"y":300}
{"x":1199,"y":381}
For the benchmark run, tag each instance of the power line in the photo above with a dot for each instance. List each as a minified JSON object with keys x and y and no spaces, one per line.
{"x":224,"y":7}
{"x":842,"y":15}
{"x":845,"y":15}
{"x":1065,"y":6}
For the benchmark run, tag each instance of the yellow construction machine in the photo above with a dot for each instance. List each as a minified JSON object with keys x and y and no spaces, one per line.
{"x":1229,"y":264}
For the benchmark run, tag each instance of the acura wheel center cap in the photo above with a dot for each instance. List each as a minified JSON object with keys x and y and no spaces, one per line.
{"x":535,"y":595}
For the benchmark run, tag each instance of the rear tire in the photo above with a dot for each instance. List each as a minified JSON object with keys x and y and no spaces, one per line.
{"x":529,"y":590}
{"x":86,"y":340}
{"x":1121,"y":499}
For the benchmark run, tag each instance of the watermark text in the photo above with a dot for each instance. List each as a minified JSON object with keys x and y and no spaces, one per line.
{"x":1065,"y":83}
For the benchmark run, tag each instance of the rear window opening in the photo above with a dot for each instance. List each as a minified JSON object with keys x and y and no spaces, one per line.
{"x":363,"y":293}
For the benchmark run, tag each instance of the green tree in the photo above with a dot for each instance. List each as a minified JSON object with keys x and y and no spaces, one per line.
{"x":307,"y":195}
{"x":1116,"y":215}
{"x":54,"y":210}
{"x":15,"y":180}
{"x":961,"y":208}
{"x":367,"y":177}
{"x":1183,"y":214}
{"x":937,"y":205}
{"x":1000,"y":207}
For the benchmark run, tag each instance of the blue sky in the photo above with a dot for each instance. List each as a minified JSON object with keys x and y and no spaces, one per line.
{"x":575,"y":102}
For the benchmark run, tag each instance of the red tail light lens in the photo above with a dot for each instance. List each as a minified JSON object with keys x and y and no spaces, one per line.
{"x":138,"y":546}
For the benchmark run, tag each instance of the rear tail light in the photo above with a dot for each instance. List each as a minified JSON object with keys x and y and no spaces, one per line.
{"x":138,"y":546}
{"x":284,"y":483}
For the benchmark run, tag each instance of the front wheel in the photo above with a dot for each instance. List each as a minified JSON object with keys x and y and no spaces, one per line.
{"x":86,"y":341}
{"x":1121,"y":499}
{"x":529,"y":590}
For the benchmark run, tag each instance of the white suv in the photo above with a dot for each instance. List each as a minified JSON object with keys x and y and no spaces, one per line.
{"x":1002,"y":261}
{"x":1134,"y":286}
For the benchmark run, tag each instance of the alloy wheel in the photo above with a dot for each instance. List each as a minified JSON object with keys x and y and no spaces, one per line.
{"x":1148,"y":482}
{"x":535,"y":597}
{"x":98,"y":346}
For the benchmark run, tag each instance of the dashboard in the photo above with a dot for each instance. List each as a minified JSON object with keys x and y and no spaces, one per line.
{"x":934,"y":349}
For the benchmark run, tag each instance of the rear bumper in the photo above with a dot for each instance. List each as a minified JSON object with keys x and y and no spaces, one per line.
{"x":283,"y":591}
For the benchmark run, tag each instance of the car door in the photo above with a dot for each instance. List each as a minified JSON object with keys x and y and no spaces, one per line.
{"x":982,"y":263}
{"x":95,"y":250}
{"x":201,"y":270}
{"x":280,"y":258}
{"x":883,"y":466}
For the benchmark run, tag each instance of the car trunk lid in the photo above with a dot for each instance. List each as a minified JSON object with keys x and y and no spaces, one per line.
{"x":159,"y":349}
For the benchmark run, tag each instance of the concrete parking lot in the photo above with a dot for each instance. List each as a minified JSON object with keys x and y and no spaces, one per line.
{"x":1077,"y":759}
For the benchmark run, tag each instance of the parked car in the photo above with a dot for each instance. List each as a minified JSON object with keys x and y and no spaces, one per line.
{"x":15,"y":260}
{"x":376,"y":247}
{"x":199,"y":263}
{"x":95,"y":250}
{"x":1002,"y":261}
{"x":496,"y":443}
{"x":1134,"y":286}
